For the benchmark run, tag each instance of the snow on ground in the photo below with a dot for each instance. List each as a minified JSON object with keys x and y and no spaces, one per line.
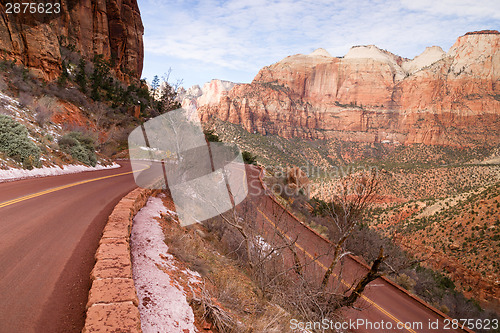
{"x":162,"y":302}
{"x":8,"y":99}
{"x":15,"y":174}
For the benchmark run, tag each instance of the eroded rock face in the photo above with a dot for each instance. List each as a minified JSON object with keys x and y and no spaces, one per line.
{"x":297,"y":178}
{"x":372,"y":95}
{"x":109,"y":27}
{"x":210,"y":94}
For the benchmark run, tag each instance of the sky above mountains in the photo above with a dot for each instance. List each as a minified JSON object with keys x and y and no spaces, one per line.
{"x":232,"y":40}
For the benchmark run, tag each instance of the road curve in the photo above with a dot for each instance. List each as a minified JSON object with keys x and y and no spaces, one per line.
{"x":49,"y":231}
{"x":50,"y":228}
{"x":384,"y":306}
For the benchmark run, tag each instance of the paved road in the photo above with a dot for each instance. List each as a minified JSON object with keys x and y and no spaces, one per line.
{"x":381,"y":301}
{"x":49,"y":231}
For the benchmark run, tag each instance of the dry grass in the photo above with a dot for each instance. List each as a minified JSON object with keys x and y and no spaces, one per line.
{"x":229,"y":299}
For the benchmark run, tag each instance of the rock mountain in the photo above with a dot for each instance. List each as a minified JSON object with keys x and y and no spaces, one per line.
{"x":210,"y":95}
{"x":371,"y":95}
{"x":109,"y":27}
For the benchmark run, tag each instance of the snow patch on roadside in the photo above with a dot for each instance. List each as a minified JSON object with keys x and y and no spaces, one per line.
{"x":15,"y":174}
{"x":162,"y":302}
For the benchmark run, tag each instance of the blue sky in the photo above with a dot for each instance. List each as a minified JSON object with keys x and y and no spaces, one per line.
{"x":231,"y":40}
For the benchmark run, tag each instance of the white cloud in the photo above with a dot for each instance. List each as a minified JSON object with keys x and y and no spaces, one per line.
{"x":245,"y":35}
{"x":463,"y":8}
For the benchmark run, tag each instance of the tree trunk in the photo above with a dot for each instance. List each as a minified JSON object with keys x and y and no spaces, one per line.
{"x":329,"y":271}
{"x":335,"y":260}
{"x":372,"y":274}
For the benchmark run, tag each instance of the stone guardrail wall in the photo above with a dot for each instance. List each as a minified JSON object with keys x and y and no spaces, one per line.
{"x":112,"y":303}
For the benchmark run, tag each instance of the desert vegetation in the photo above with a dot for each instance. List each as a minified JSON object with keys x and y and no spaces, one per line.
{"x":461,"y":231}
{"x":15,"y":143}
{"x":414,"y":264}
{"x":456,"y":237}
{"x":79,"y":146}
{"x":87,"y":108}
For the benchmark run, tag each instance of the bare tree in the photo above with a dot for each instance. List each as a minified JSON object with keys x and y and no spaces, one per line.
{"x":283,"y":270}
{"x":372,"y":274}
{"x":352,"y":196}
{"x":42,"y":115}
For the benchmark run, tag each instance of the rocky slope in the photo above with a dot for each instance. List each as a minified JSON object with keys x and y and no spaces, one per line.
{"x":371,"y":95}
{"x":459,"y":234}
{"x":109,"y":27}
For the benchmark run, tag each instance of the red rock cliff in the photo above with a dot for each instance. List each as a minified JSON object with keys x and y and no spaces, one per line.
{"x":371,"y":95}
{"x":109,"y":27}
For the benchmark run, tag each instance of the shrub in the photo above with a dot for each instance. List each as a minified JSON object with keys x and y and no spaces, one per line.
{"x":14,"y":142}
{"x":406,"y":282}
{"x":79,"y":146}
{"x":211,"y":136}
{"x":43,"y":115}
{"x":25,"y":99}
{"x":249,"y":158}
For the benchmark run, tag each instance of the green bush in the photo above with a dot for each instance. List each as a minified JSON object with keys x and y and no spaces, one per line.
{"x":211,"y":136}
{"x":79,"y":146}
{"x":249,"y":158}
{"x":14,"y":142}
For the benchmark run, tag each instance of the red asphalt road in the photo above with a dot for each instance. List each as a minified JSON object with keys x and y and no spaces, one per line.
{"x":381,"y":301}
{"x":47,"y":246}
{"x":48,"y":241}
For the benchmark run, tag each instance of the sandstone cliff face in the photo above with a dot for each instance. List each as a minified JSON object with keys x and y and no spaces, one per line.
{"x":372,"y":95}
{"x":209,"y":95}
{"x":109,"y":27}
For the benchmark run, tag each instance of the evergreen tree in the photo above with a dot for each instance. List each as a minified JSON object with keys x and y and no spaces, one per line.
{"x":100,"y":77}
{"x":81,"y":76}
{"x":167,"y":97}
{"x":155,"y":85}
{"x":64,"y":74}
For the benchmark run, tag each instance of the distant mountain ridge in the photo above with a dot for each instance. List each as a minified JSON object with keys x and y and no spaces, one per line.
{"x":371,"y":95}
{"x":211,"y":94}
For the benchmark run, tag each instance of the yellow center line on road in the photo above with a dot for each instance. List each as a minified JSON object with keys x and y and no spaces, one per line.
{"x":38,"y":194}
{"x":385,"y":312}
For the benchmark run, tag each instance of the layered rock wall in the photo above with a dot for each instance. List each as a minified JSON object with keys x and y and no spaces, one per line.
{"x":210,"y":94}
{"x":372,"y":95}
{"x":112,"y":28}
